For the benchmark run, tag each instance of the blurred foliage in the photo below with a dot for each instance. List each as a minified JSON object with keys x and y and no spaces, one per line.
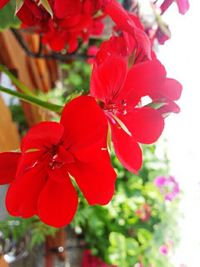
{"x":75,"y":81}
{"x":17,"y":229}
{"x":18,"y":117}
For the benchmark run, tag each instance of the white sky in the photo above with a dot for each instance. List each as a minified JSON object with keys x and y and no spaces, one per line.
{"x":181,"y":57}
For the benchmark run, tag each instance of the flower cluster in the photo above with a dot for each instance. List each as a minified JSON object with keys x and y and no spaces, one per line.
{"x":56,"y":156}
{"x":168,"y":187}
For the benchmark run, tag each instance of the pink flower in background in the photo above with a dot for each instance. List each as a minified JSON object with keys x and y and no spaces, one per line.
{"x":183,"y":5}
{"x":164,"y":250}
{"x":162,"y":36}
{"x":138,"y":265}
{"x":168,"y":186}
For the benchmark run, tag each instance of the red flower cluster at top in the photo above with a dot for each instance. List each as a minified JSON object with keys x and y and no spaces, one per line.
{"x":63,"y":22}
{"x":55,"y":156}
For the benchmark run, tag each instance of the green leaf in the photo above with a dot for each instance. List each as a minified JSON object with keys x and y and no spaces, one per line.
{"x":144,"y":236}
{"x":117,"y":250}
{"x":7,"y":16}
{"x":131,"y":246}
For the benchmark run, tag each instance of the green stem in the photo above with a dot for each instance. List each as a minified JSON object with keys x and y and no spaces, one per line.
{"x":15,"y":81}
{"x":33,"y":100}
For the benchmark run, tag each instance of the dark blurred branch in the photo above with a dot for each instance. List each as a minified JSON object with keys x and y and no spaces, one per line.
{"x":51,"y":55}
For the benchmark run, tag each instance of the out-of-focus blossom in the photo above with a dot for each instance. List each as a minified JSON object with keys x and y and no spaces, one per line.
{"x":138,"y":264}
{"x":164,"y":250}
{"x":93,"y":261}
{"x":162,"y":35}
{"x":183,"y":5}
{"x":144,"y":212}
{"x":168,"y":186}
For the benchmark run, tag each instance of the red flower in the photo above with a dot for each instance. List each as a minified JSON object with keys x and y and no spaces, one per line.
{"x":51,"y":152}
{"x":119,"y":91}
{"x":124,"y":45}
{"x":34,"y":15}
{"x":73,"y":23}
{"x":66,"y":8}
{"x":128,"y":23}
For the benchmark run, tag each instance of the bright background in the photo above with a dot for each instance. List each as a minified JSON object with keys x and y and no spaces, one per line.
{"x":181,"y":57}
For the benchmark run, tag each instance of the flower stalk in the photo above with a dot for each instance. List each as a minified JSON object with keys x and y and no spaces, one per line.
{"x":32,"y":100}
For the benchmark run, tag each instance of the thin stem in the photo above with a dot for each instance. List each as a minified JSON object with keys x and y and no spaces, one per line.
{"x":32,"y":100}
{"x":15,"y":81}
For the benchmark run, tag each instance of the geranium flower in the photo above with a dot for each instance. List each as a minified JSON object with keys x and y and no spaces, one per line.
{"x":122,"y":76}
{"x":51,"y":152}
{"x":168,"y":187}
{"x":119,"y":91}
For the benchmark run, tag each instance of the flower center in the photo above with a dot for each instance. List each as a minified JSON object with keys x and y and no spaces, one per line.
{"x":58,"y":156}
{"x":115,"y":108}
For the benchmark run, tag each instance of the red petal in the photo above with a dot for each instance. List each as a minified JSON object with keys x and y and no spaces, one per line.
{"x":23,"y":193}
{"x":42,"y":135}
{"x":85,"y":125}
{"x":58,"y":201}
{"x":30,"y":13}
{"x":3,"y":3}
{"x":96,"y":180}
{"x":146,"y":124}
{"x":8,"y":166}
{"x":122,"y":19}
{"x":127,"y":150}
{"x":171,"y":89}
{"x":142,"y":79}
{"x":107,"y":81}
{"x":67,"y":8}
